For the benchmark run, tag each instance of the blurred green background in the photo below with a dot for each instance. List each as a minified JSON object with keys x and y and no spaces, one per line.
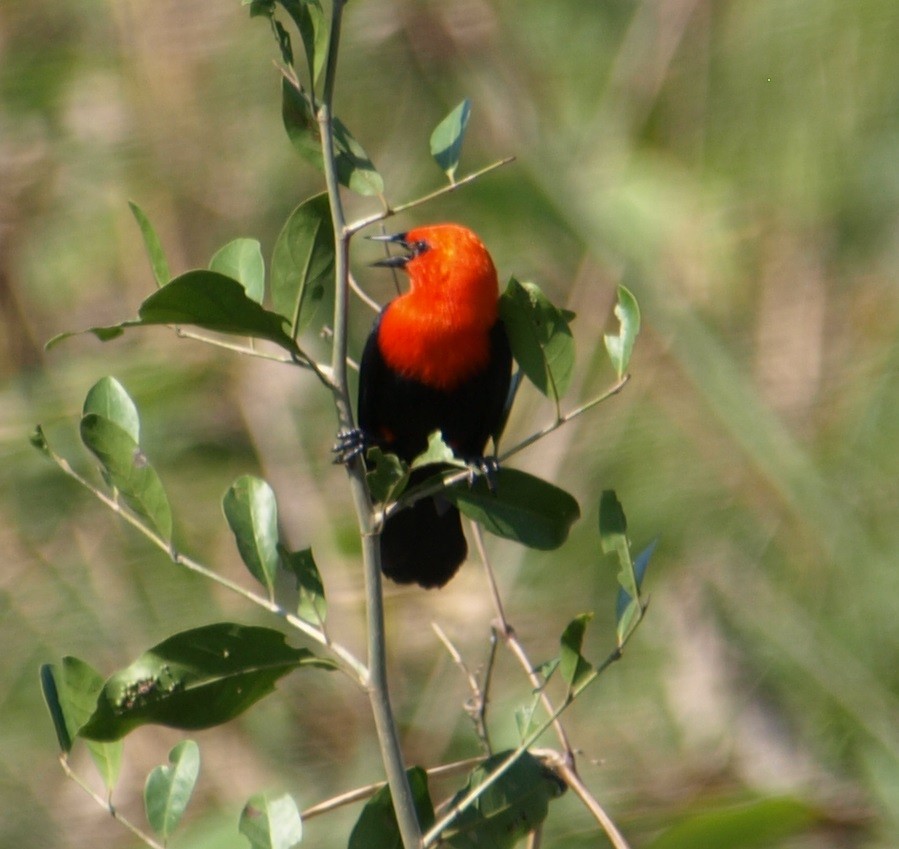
{"x":735,"y":162}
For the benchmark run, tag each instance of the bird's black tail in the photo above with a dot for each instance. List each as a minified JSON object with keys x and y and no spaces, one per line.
{"x":423,"y":544}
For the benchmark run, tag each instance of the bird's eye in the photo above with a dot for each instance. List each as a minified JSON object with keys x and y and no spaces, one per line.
{"x":419,"y":247}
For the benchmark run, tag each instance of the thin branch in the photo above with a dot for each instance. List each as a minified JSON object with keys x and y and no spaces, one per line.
{"x":511,"y":639}
{"x":363,"y":296}
{"x":476,"y":705}
{"x":369,"y":790}
{"x":449,"y":478}
{"x":362,"y":223}
{"x":303,"y":360}
{"x":353,"y":666}
{"x":107,"y":805}
{"x":573,"y":780}
{"x":378,"y":691}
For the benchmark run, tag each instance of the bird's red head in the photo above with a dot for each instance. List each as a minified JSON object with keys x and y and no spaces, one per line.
{"x":438,"y":331}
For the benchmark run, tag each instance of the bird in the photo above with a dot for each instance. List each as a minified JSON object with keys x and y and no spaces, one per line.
{"x":437,"y":358}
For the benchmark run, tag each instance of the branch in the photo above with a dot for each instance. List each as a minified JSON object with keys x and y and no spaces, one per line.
{"x":362,"y":223}
{"x":107,"y":805}
{"x":379,"y":696}
{"x":449,"y":478}
{"x":370,"y":789}
{"x":351,"y":664}
{"x":511,"y":639}
{"x":476,"y":706}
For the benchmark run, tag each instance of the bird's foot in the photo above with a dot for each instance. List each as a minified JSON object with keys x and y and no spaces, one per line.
{"x":485,"y":467}
{"x":349,"y":445}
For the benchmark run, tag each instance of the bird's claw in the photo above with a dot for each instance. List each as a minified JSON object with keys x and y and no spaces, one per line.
{"x":485,"y":467}
{"x":349,"y":445}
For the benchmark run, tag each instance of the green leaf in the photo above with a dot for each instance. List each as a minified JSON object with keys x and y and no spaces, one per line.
{"x":437,"y":452}
{"x":573,"y":666}
{"x":354,"y":169}
{"x":128,"y":470}
{"x":509,"y":809}
{"x":641,"y":561}
{"x":271,"y":822}
{"x":540,"y":338}
{"x":613,"y":539}
{"x":312,"y":24}
{"x":446,"y":140}
{"x":212,"y":301}
{"x":386,"y":474}
{"x":204,"y":299}
{"x":303,"y":263}
{"x":621,"y":345}
{"x":196,"y":679}
{"x":757,"y":824}
{"x":522,"y":508}
{"x":170,"y":786}
{"x":109,"y":399}
{"x":311,"y":605}
{"x":376,"y":827}
{"x":241,"y":260}
{"x":158,"y":262}
{"x":71,"y":692}
{"x":252,"y":513}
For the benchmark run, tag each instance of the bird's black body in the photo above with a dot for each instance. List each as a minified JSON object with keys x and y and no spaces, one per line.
{"x":424,"y":543}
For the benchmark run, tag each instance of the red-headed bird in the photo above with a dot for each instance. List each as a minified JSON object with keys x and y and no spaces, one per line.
{"x":438,"y":358}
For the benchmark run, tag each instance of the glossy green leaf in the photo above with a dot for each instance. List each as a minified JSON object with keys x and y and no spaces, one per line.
{"x":169,"y":787}
{"x":214,"y":302}
{"x":376,"y":827}
{"x":757,"y":824}
{"x":540,"y":338}
{"x":252,"y":513}
{"x":621,"y":345}
{"x":109,"y":399}
{"x":386,"y":474}
{"x":509,"y":809}
{"x":196,"y":679}
{"x":128,"y":470}
{"x":311,"y":604}
{"x":158,"y":262}
{"x":303,"y":263}
{"x":271,"y":822}
{"x":241,"y":260}
{"x":447,"y":138}
{"x":70,"y":692}
{"x":574,"y":668}
{"x":523,"y":508}
{"x":204,"y":299}
{"x":354,"y":169}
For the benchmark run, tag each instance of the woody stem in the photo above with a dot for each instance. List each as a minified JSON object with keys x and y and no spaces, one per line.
{"x":379,"y":696}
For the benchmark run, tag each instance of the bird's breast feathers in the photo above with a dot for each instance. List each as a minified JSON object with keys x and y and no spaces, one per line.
{"x":436,"y":348}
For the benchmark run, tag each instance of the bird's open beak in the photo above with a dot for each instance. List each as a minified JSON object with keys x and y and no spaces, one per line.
{"x":398,"y":261}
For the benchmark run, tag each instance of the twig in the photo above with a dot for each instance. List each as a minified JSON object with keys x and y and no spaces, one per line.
{"x":370,"y":789}
{"x":362,"y":223}
{"x":573,"y":780}
{"x":353,"y":666}
{"x":379,"y":695}
{"x":476,"y":705}
{"x":451,"y":477}
{"x":511,"y":639}
{"x":363,"y":296}
{"x":107,"y":805}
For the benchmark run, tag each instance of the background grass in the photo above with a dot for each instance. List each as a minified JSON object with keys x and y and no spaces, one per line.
{"x":734,"y":162}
